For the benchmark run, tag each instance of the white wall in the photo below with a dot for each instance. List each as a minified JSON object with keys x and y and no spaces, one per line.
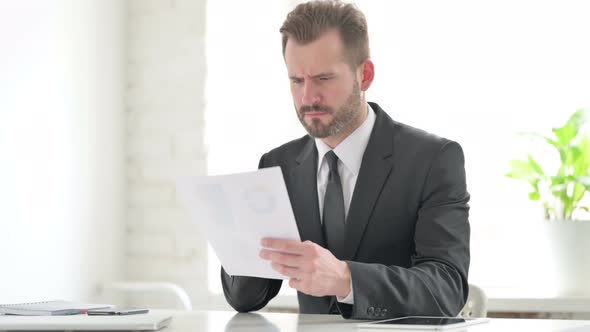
{"x":61,"y":147}
{"x":165,"y":103}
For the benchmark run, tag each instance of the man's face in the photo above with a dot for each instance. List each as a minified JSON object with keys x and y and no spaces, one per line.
{"x":325,"y":90}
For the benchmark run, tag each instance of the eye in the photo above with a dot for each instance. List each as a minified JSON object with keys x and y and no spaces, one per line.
{"x":324,"y":78}
{"x":296,"y":80}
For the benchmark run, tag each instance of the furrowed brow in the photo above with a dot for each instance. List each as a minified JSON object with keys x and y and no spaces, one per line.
{"x":326,"y":74}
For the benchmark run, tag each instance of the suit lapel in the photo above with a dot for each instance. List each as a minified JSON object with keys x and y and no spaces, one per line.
{"x":305,"y":195}
{"x":375,"y":168}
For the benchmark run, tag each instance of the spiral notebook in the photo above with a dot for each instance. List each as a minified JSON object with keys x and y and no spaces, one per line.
{"x":49,"y":308}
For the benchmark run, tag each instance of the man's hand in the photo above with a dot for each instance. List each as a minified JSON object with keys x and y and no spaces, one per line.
{"x":311,"y":269}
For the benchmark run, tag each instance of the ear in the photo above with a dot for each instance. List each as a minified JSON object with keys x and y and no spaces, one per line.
{"x":367,"y":74}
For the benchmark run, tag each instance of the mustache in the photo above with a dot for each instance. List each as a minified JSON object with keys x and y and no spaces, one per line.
{"x":315,"y":108}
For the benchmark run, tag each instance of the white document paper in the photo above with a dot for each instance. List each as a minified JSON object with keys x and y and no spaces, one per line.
{"x":238,"y":210}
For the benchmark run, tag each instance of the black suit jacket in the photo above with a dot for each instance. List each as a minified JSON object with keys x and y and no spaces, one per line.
{"x":407,"y":229}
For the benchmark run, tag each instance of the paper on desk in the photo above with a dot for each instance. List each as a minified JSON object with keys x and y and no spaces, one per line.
{"x":238,"y":210}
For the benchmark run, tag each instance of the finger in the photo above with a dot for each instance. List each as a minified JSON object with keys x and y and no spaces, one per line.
{"x":282,"y":245}
{"x":287,"y":271}
{"x":299,"y":285}
{"x":281,"y":258}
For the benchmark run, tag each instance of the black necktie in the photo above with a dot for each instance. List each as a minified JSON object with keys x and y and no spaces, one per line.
{"x":334,"y":209}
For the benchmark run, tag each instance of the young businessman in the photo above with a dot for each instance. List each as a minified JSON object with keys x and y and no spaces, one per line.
{"x":381,"y":207}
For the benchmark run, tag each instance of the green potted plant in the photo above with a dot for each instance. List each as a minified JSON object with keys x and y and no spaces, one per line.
{"x":561,"y":194}
{"x":564,"y":197}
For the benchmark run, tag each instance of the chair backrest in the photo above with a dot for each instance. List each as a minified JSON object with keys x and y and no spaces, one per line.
{"x":143,"y":293}
{"x":476,"y":305}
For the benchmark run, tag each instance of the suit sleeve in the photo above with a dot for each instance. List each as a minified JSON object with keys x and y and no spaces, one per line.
{"x":436,"y":282}
{"x":246,"y":294}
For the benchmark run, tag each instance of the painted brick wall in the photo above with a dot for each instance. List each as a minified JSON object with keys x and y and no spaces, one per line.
{"x":164,"y":117}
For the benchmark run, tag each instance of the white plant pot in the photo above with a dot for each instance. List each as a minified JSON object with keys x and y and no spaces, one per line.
{"x":569,"y":249}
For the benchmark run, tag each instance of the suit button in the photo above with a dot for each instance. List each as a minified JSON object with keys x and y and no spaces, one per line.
{"x":378,"y":311}
{"x":371,"y":311}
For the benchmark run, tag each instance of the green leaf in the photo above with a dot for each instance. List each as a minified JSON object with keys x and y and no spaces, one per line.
{"x":545,"y":138}
{"x":565,"y":134}
{"x":522,"y":170}
{"x":557,"y":180}
{"x":535,"y":166}
{"x":582,"y":162}
{"x":534,"y":196}
{"x":579,"y":118}
{"x":571,"y":155}
{"x":579,"y":191}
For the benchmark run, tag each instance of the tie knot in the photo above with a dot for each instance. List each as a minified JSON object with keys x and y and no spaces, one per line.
{"x":332,"y":160}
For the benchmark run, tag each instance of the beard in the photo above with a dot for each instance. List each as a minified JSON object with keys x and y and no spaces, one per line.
{"x":342,"y":118}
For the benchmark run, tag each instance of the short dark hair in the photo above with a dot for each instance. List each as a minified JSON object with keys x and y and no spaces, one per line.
{"x":308,"y":21}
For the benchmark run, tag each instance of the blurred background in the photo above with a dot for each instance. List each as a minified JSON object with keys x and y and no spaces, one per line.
{"x":104,"y":103}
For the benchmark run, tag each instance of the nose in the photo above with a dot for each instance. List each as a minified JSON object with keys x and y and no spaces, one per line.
{"x":311,"y":94}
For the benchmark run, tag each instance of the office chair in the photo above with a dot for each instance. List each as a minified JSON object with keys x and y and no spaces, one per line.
{"x":476,"y":305}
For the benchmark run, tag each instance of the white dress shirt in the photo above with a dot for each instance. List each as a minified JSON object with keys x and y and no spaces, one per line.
{"x":350,"y":155}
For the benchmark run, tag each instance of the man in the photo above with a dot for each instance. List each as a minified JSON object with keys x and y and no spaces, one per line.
{"x":381,"y":207}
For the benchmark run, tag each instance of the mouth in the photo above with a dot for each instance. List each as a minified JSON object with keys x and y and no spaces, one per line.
{"x":314,"y":114}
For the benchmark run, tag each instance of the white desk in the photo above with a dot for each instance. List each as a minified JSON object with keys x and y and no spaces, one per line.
{"x":571,"y":304}
{"x":220,"y":321}
{"x":227,"y":321}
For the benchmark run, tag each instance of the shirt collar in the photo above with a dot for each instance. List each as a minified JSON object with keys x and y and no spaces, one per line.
{"x":351,"y":150}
